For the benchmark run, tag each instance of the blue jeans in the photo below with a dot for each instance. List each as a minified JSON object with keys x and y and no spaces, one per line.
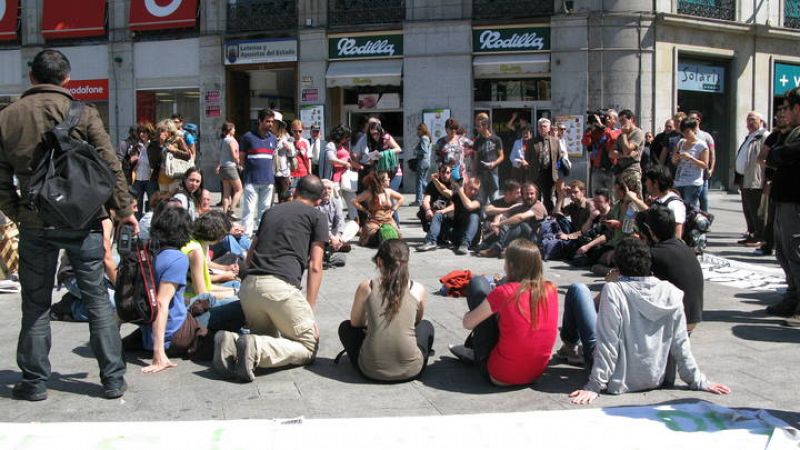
{"x":690,"y":194}
{"x":704,"y":195}
{"x":579,"y":320}
{"x":462,"y":233}
{"x":139,"y":189}
{"x":230,"y":244}
{"x":395,"y":185}
{"x":38,"y":254}
{"x":422,"y":181}
{"x":79,"y":311}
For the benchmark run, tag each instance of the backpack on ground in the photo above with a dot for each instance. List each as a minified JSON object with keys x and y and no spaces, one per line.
{"x":696,"y":225}
{"x":136,"y":288}
{"x":71,"y":183}
{"x":387,"y":232}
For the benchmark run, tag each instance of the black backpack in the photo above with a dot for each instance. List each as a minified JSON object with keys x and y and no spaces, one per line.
{"x":696,"y":225}
{"x":135,"y":294}
{"x":71,"y":183}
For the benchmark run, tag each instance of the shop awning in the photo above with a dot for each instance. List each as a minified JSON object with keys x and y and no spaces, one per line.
{"x":378,"y":72}
{"x":9,"y":18}
{"x":493,"y":66}
{"x":64,"y":19}
{"x":162,"y":14}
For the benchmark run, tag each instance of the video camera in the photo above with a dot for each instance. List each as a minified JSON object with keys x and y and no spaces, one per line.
{"x":592,"y":117}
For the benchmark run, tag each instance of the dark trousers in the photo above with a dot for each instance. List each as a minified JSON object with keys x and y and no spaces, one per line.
{"x":139,"y":189}
{"x":546,"y":184}
{"x":751,"y":200}
{"x":509,"y":233}
{"x":353,"y":337}
{"x":38,"y":253}
{"x":769,"y":230}
{"x":787,"y":243}
{"x":485,"y":336}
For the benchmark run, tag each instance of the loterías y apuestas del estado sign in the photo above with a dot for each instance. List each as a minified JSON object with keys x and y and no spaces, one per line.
{"x":517,"y":39}
{"x":365,"y":46}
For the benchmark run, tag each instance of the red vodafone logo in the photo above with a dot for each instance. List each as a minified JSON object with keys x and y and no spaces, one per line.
{"x":89,"y":90}
{"x":162,"y":11}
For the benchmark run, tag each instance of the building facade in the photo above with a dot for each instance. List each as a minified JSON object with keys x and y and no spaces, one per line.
{"x":409,"y":61}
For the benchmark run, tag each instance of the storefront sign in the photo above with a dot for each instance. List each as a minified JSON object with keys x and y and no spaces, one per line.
{"x":787,"y":76}
{"x":260,"y":51}
{"x":162,"y":14}
{"x":496,"y":40}
{"x":309,"y":95}
{"x":213,"y":103}
{"x":312,"y":115}
{"x":73,"y":18}
{"x":8,"y":19}
{"x":572,"y":134}
{"x":435,"y":120}
{"x":701,"y":78}
{"x":369,"y":46}
{"x":89,"y":90}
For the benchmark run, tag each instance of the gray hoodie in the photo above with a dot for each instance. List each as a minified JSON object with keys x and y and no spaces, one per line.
{"x":639,"y":325}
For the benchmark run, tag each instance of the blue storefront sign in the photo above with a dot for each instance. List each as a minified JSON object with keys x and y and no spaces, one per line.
{"x":786,"y":76}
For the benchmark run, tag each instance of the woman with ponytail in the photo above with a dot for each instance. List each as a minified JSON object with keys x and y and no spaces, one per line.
{"x":514,"y":325}
{"x":386,"y":338}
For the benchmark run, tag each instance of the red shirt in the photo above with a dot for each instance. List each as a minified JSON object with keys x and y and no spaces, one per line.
{"x":522,"y":352}
{"x":303,"y":163}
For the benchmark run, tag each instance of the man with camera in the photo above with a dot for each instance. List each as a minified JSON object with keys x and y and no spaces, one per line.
{"x":600,"y":139}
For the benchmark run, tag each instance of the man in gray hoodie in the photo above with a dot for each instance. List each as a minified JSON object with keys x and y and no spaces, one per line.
{"x":640,"y":324}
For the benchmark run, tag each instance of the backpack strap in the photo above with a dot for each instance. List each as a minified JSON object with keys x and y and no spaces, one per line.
{"x":63,"y":129}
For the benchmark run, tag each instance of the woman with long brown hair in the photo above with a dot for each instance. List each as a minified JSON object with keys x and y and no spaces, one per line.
{"x":166,"y":141}
{"x":514,"y":325}
{"x":386,"y":338}
{"x":382,"y":202}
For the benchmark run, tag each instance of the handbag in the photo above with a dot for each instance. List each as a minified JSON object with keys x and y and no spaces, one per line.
{"x":349,"y":181}
{"x":175,"y":167}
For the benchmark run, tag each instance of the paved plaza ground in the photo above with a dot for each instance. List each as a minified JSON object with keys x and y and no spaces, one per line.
{"x":737,"y":344}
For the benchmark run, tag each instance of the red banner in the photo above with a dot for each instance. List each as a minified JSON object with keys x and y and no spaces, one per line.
{"x":64,"y":19}
{"x":9,"y":17}
{"x":89,"y":90}
{"x":162,"y":14}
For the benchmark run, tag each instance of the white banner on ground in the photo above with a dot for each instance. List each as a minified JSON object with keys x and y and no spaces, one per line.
{"x":742,"y":275}
{"x":700,"y":425}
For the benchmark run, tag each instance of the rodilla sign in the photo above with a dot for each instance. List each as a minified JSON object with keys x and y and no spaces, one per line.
{"x":89,"y":90}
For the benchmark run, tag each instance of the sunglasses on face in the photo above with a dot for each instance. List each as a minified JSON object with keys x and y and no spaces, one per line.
{"x":297,"y":131}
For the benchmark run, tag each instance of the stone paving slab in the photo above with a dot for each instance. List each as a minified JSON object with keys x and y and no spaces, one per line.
{"x":737,"y":344}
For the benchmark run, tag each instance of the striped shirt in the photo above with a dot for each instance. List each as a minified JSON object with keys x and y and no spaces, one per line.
{"x":259,"y":153}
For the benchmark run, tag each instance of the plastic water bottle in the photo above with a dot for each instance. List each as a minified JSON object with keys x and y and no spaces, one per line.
{"x":630,"y":217}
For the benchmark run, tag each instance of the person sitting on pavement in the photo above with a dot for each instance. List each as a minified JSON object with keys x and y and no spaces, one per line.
{"x":513,"y":325}
{"x":341,"y":232}
{"x":189,"y":192}
{"x":233,"y":247}
{"x":175,"y":332}
{"x":519,"y":221}
{"x":576,"y":217}
{"x":658,"y":183}
{"x":512,"y":196}
{"x":283,"y":330}
{"x":462,"y":226}
{"x":437,"y":196}
{"x":209,"y":229}
{"x":619,"y":224}
{"x":386,"y":338}
{"x":639,"y":326}
{"x":382,"y":202}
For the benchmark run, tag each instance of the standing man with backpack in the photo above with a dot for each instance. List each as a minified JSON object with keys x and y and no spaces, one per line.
{"x":22,"y":125}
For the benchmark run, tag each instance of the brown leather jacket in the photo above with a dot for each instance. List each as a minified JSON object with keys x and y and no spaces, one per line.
{"x":22,"y":125}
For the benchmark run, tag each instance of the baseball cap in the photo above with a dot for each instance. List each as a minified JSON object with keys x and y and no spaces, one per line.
{"x":314,"y":127}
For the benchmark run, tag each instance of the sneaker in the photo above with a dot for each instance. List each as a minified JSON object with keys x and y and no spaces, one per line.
{"x":490,"y":252}
{"x":762,"y":252}
{"x":462,"y":249}
{"x":571,"y":353}
{"x":747,"y":240}
{"x":785,"y":308}
{"x":112,"y":391}
{"x":224,"y":361}
{"x":793,"y":321}
{"x":600,"y":270}
{"x":426,"y":247}
{"x":466,"y":355}
{"x":25,"y":392}
{"x":246,"y":358}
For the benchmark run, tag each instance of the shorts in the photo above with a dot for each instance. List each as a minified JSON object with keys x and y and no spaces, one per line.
{"x":230,"y":173}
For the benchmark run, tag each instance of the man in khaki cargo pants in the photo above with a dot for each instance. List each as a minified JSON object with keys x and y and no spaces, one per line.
{"x":281,"y":319}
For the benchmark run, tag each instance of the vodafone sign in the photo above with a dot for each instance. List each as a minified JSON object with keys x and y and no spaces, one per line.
{"x":8,"y":19}
{"x":89,"y":90}
{"x":162,"y":14}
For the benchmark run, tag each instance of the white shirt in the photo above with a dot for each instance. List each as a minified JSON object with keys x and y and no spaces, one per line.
{"x":517,"y":153}
{"x":314,"y":150}
{"x":677,"y":207}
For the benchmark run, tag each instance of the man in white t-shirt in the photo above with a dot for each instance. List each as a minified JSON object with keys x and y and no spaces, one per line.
{"x":658,"y":183}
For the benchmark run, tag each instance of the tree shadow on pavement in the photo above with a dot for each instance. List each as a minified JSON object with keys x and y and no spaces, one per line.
{"x":755,"y":326}
{"x":65,"y":382}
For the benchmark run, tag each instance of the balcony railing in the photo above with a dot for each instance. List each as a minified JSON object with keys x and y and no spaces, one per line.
{"x":713,"y":9}
{"x":344,"y":13}
{"x":261,"y":15}
{"x":510,"y":10}
{"x":791,"y":13}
